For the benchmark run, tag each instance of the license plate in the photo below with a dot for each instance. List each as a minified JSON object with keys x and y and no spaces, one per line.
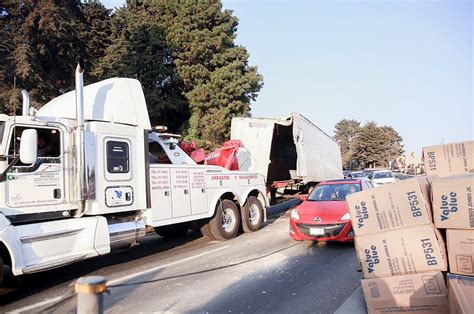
{"x":316,"y":231}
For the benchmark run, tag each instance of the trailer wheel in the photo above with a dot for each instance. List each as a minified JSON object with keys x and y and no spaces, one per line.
{"x":173,"y":231}
{"x":252,"y":215}
{"x":226,"y":222}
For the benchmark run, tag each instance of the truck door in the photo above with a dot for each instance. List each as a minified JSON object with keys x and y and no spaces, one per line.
{"x":41,"y":183}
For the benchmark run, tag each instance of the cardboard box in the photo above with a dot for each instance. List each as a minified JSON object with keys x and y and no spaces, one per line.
{"x":461,"y":251}
{"x":449,"y":159}
{"x":397,"y":205}
{"x":417,"y":293}
{"x":461,"y":294}
{"x":453,"y":202}
{"x":401,"y":252}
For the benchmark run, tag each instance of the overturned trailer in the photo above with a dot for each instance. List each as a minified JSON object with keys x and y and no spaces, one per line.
{"x":287,"y":150}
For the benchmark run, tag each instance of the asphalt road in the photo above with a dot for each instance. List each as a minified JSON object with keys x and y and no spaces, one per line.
{"x":264,"y":271}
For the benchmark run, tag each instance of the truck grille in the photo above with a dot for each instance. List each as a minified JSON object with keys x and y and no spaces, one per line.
{"x":329,"y":230}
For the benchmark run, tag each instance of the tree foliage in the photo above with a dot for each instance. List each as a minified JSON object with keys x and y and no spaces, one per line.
{"x":140,"y":51}
{"x":218,"y":82}
{"x":345,"y":132}
{"x":195,"y":78}
{"x":42,"y":40}
{"x":367,"y":146}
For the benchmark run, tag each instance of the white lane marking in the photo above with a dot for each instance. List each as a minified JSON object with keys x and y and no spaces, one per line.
{"x":141,"y":273}
{"x":32,"y":306}
{"x":122,"y":279}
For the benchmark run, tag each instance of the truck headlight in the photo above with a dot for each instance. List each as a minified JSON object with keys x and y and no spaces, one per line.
{"x":346,"y":216}
{"x":295,"y":215}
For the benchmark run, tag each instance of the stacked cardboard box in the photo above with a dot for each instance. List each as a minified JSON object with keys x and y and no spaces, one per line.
{"x":400,"y":252}
{"x":453,"y":211}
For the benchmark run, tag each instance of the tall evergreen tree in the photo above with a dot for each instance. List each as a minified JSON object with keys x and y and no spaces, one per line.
{"x":140,"y":51}
{"x":345,"y":133}
{"x":44,"y":39}
{"x":375,"y":146}
{"x":218,"y":81}
{"x":95,"y":32}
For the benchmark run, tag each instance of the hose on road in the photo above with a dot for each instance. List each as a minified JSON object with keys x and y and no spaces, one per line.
{"x":206,"y":270}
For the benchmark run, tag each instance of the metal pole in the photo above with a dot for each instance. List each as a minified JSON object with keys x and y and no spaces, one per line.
{"x":90,"y":297}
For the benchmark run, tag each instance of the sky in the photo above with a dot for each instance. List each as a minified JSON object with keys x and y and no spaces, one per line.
{"x":407,"y":64}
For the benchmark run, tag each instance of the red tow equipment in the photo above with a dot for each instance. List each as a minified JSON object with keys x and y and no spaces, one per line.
{"x":225,"y":156}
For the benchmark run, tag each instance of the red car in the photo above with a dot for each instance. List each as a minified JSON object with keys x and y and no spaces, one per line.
{"x":324,"y":215}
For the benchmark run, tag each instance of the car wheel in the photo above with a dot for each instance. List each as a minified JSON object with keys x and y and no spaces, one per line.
{"x":252,"y":215}
{"x":226,"y":222}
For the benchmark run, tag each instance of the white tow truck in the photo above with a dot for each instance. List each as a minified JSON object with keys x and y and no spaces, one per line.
{"x":86,"y":175}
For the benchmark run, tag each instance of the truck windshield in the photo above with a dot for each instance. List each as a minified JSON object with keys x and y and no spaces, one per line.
{"x":333,"y":192}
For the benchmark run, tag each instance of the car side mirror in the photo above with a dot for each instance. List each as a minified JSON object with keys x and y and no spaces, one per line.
{"x":303,"y":198}
{"x":28,"y":146}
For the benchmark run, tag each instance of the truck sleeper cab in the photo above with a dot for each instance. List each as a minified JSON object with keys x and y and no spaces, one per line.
{"x":57,"y":211}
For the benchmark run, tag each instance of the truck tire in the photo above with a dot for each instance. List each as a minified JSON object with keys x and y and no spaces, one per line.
{"x":252,"y":215}
{"x":173,"y":231}
{"x":226,"y":222}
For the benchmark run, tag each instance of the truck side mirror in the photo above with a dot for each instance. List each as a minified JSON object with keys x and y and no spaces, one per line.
{"x":28,"y":146}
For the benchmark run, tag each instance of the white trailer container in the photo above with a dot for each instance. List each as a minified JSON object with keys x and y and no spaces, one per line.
{"x":286,"y":149}
{"x":86,"y":174}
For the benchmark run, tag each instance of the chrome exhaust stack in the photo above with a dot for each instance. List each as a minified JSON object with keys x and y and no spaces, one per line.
{"x":26,"y":103}
{"x":80,"y":146}
{"x":125,"y":233}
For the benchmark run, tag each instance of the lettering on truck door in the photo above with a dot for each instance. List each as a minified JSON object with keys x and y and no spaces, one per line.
{"x":160,"y":185}
{"x":180,"y":196}
{"x":198,"y":191}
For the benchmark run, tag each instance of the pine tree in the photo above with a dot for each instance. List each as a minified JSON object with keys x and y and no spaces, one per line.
{"x":42,"y":41}
{"x":140,"y":51}
{"x":345,"y":133}
{"x":218,"y":82}
{"x":375,"y":146}
{"x":95,"y":33}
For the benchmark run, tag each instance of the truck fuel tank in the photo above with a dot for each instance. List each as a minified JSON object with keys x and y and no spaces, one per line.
{"x":125,"y":233}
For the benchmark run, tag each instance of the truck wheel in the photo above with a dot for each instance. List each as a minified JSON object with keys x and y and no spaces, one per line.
{"x":173,"y":231}
{"x":226,"y":222}
{"x":252,"y":215}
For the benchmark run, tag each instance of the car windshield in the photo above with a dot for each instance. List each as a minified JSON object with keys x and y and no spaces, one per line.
{"x":358,"y":174}
{"x":383,"y":175}
{"x":333,"y":192}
